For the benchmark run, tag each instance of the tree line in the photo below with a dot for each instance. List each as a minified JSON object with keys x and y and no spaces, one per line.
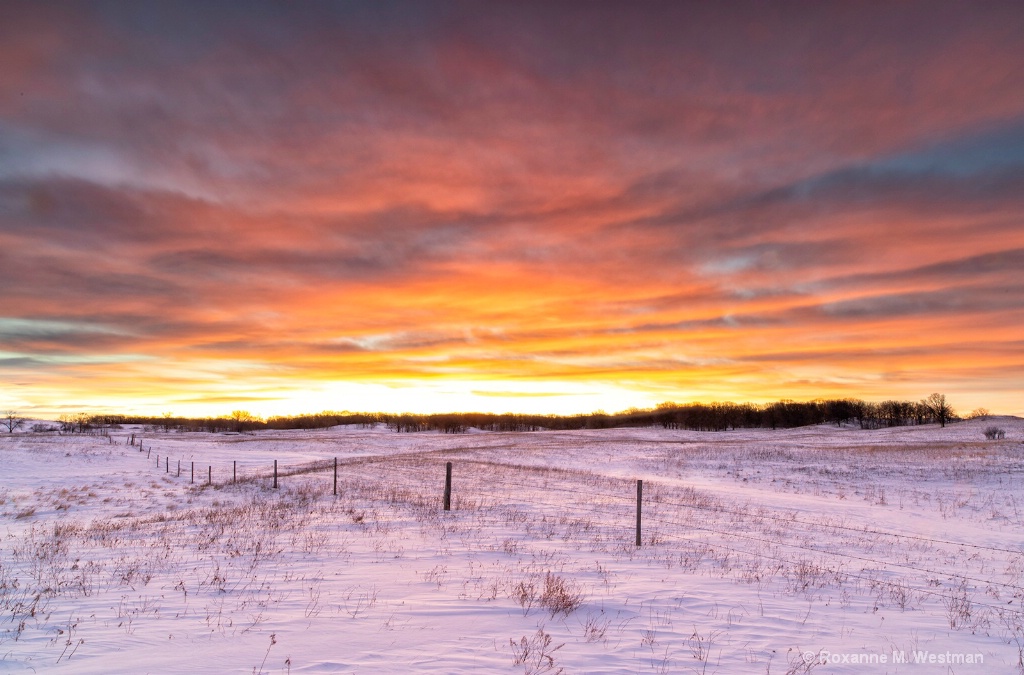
{"x":718,"y":416}
{"x":787,"y":414}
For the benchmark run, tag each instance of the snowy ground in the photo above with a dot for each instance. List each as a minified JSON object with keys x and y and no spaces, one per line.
{"x":819,"y":550}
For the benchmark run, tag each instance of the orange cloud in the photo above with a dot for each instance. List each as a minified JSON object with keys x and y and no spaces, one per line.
{"x":553,"y":208}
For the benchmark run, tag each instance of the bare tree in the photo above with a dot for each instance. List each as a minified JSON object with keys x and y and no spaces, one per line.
{"x":11,"y":420}
{"x":980,"y":414}
{"x":994,"y":434}
{"x":243,"y":419}
{"x":939,"y":408}
{"x":72,"y":422}
{"x":67,"y":422}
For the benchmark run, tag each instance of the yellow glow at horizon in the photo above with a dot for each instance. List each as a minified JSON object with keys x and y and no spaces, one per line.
{"x":424,"y":397}
{"x":429,"y":396}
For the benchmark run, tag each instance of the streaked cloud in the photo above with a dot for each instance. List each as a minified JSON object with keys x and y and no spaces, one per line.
{"x":508,"y":206}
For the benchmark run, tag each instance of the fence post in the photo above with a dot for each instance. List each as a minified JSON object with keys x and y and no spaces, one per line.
{"x":335,"y":476}
{"x":158,"y":461}
{"x":234,"y":471}
{"x":167,"y":464}
{"x":275,"y":473}
{"x":639,"y":501}
{"x":209,"y":475}
{"x":193,"y":472}
{"x":179,"y":468}
{"x":448,"y":487}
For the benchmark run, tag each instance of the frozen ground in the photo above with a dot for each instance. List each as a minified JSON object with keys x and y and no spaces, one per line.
{"x":818,"y":550}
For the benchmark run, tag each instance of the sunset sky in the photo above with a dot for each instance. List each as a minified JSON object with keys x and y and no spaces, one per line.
{"x":538,"y":207}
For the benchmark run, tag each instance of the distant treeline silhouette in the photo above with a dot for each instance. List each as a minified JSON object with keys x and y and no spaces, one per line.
{"x":692,"y":416}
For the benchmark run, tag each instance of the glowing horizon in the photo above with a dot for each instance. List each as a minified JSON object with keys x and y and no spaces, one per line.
{"x":434,"y":207}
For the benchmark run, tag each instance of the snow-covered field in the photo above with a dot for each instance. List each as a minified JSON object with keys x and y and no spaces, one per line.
{"x":819,"y":550}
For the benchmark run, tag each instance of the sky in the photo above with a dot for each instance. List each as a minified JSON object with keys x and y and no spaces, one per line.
{"x":529,"y":207}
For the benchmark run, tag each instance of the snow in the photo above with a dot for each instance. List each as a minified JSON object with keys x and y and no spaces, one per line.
{"x":858,"y":548}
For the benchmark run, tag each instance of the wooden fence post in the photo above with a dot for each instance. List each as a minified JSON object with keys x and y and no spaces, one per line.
{"x":167,"y":464}
{"x":275,"y":473}
{"x":639,"y":501}
{"x":335,"y":476}
{"x":179,"y":468}
{"x":209,"y":475}
{"x":234,"y":471}
{"x":193,"y":472}
{"x":448,"y":487}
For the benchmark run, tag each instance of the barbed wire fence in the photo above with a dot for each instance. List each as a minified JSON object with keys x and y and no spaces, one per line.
{"x":634,"y":514}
